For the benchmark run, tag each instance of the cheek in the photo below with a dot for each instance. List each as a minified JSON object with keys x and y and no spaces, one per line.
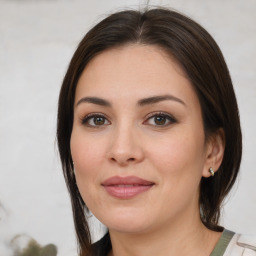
{"x":87,"y":156}
{"x":175,"y":151}
{"x":87,"y":153}
{"x":179,"y":162}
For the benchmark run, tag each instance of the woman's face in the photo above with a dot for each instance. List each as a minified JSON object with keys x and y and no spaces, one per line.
{"x":138,"y":142}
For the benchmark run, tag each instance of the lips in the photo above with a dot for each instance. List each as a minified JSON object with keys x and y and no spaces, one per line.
{"x":126,"y":187}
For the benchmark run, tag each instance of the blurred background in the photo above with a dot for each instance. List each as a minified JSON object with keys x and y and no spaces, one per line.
{"x":37,"y":40}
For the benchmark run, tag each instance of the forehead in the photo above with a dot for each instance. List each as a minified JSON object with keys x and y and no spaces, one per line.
{"x":133,"y":71}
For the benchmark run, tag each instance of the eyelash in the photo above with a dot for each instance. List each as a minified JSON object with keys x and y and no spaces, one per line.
{"x":167,"y":117}
{"x":87,"y":118}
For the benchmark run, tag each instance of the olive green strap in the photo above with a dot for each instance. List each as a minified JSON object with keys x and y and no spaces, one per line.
{"x":222,"y":244}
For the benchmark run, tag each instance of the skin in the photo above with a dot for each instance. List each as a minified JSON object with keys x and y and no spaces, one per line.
{"x":128,"y":140}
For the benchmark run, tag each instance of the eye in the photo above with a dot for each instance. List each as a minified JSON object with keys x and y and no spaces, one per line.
{"x":95,"y":120}
{"x":160,"y":119}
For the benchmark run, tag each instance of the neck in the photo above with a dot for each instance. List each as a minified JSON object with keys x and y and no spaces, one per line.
{"x":176,"y":238}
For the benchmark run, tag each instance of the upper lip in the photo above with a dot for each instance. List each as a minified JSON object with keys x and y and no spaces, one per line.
{"x":128,"y":180}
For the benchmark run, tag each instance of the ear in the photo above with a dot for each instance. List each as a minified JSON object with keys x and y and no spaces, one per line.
{"x":215,"y":148}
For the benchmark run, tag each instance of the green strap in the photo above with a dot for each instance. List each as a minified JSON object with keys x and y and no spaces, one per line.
{"x":223,"y":242}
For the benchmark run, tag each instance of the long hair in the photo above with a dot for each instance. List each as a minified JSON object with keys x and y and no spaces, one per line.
{"x":203,"y":63}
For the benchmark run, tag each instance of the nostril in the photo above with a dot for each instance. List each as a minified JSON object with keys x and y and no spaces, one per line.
{"x":131,"y":159}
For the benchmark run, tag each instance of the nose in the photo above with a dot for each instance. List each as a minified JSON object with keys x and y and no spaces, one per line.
{"x":125,"y":147}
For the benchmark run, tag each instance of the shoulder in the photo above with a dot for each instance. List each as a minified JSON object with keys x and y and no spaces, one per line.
{"x":241,"y":245}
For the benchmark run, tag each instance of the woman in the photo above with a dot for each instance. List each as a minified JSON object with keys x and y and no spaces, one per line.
{"x":149,"y":137}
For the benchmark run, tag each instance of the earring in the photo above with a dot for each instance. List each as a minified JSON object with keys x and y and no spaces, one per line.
{"x":211,"y":171}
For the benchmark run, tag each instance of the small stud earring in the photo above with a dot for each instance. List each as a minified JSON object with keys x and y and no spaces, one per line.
{"x":211,"y":171}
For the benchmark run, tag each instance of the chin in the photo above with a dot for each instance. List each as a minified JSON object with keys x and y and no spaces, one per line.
{"x":128,"y":227}
{"x":127,"y":221}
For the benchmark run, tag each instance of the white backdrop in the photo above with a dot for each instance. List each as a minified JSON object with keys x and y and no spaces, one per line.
{"x":37,"y":39}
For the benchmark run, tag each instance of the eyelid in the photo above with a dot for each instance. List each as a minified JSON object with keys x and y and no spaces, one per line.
{"x":170,"y":117}
{"x":84,"y":119}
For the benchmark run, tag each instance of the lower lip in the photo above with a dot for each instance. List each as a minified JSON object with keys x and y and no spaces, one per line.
{"x":126,"y":192}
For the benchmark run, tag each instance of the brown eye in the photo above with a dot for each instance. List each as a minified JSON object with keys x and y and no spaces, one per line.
{"x":95,"y":120}
{"x":160,"y":119}
{"x":99,"y":120}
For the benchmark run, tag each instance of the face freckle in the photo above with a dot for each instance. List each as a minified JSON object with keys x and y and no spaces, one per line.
{"x":171,"y":156}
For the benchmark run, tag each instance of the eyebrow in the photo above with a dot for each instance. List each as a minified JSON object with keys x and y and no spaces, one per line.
{"x":94,"y":100}
{"x":156,"y":99}
{"x":141,"y":102}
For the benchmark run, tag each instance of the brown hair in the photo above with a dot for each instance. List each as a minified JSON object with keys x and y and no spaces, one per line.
{"x":201,"y":59}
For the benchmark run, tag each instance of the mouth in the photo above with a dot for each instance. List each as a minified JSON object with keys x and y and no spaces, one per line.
{"x":126,"y":187}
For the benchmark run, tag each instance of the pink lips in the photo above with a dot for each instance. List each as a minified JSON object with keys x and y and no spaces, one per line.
{"x":126,"y":187}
